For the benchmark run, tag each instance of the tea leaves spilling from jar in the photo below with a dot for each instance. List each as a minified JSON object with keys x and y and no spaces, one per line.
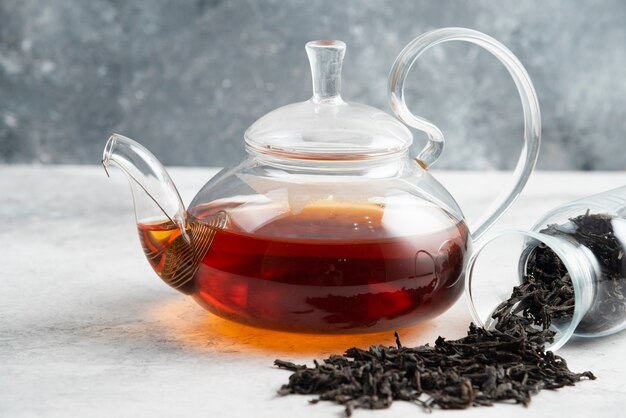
{"x":503,"y":364}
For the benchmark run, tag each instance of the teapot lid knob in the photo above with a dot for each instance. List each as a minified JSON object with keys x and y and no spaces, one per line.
{"x":326,"y":58}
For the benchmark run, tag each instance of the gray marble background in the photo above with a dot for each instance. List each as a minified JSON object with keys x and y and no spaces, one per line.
{"x":186,"y":78}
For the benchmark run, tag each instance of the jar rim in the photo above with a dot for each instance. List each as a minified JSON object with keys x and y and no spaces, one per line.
{"x":577,"y":261}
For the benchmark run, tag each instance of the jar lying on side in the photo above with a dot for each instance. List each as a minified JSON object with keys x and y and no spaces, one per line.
{"x":568,"y":273}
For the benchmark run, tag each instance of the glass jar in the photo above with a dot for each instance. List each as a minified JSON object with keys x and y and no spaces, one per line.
{"x":583,"y":243}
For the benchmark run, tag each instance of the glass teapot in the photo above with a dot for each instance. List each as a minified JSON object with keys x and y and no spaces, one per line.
{"x":328,"y":225}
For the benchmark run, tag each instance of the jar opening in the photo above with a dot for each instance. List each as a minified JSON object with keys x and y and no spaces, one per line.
{"x":541,"y":281}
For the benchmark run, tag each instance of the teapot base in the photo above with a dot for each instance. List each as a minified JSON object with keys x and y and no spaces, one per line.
{"x":419,"y":315}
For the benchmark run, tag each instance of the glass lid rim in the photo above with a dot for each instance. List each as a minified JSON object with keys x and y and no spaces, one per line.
{"x":319,"y":154}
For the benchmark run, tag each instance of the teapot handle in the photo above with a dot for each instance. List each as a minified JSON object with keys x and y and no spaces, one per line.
{"x":432,"y":151}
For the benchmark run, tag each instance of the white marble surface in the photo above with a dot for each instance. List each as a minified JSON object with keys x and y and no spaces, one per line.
{"x":86,"y":328}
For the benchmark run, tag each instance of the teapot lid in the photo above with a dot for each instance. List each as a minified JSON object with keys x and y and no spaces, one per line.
{"x":326,"y":127}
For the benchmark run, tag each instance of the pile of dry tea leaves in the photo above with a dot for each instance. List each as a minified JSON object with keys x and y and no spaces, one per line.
{"x":485,"y":367}
{"x":504,"y":364}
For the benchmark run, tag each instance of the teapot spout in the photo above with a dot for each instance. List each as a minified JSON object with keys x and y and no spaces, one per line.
{"x":154,"y":194}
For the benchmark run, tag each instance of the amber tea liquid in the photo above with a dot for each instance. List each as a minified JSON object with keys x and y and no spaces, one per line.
{"x":329,"y":267}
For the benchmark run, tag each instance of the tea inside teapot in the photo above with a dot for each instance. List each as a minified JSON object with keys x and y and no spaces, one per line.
{"x":333,"y":266}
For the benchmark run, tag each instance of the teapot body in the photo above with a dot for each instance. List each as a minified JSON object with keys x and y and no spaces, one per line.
{"x":360,"y":247}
